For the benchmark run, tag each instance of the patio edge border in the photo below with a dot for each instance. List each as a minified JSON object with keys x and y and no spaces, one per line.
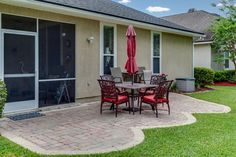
{"x":137,"y":131}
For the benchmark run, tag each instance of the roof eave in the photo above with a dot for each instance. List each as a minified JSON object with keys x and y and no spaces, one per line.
{"x":202,"y":42}
{"x":71,"y":11}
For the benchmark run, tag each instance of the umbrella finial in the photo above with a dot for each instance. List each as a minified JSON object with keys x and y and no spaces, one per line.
{"x":130,"y":31}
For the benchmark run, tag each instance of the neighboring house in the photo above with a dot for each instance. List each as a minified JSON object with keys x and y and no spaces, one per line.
{"x":50,"y":47}
{"x":201,"y":21}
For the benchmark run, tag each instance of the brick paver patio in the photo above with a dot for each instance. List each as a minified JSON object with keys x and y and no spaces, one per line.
{"x":82,"y":130}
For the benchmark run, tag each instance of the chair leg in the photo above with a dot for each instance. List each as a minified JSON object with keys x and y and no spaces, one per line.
{"x":138,"y":100}
{"x":156,"y":111}
{"x":112,"y":107}
{"x":116,"y":109}
{"x":129,"y":106}
{"x":140,"y":107}
{"x":168,"y":105}
{"x":101,"y":107}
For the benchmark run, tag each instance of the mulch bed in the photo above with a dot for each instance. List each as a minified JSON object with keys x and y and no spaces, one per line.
{"x":224,"y":84}
{"x":203,"y":89}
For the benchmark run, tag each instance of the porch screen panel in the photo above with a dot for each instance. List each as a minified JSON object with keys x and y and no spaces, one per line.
{"x":56,"y":63}
{"x":19,"y":67}
{"x":19,"y":23}
{"x":56,"y":50}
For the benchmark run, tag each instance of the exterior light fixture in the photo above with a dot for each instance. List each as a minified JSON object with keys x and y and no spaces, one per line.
{"x":90,"y":40}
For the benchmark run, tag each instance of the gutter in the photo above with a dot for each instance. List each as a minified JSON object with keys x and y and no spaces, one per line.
{"x":93,"y":15}
{"x":203,"y":42}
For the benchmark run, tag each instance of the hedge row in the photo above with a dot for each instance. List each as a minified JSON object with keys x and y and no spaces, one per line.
{"x":203,"y":76}
{"x":206,"y":76}
{"x":224,"y":75}
{"x":3,"y":96}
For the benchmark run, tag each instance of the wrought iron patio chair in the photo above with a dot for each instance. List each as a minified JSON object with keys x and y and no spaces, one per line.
{"x":110,"y":94}
{"x":160,"y":96}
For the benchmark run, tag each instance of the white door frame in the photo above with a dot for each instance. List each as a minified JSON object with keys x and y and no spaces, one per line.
{"x":21,"y":106}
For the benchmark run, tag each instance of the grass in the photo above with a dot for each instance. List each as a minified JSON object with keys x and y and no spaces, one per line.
{"x":213,"y":135}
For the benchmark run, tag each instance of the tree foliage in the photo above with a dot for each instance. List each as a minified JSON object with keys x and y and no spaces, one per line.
{"x":224,"y":30}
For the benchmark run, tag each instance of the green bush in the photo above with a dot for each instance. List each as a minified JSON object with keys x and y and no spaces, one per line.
{"x":3,"y":96}
{"x":224,"y":75}
{"x":203,"y":76}
{"x":220,"y":76}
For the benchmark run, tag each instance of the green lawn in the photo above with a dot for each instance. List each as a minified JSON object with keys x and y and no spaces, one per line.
{"x":213,"y":135}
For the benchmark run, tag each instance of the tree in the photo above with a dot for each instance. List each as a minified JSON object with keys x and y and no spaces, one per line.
{"x":224,"y":30}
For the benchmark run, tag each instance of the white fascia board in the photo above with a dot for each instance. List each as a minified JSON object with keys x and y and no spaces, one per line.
{"x":93,"y":16}
{"x":203,"y":43}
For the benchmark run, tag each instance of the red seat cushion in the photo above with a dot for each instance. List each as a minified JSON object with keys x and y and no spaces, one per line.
{"x":121,"y":99}
{"x":151,"y":99}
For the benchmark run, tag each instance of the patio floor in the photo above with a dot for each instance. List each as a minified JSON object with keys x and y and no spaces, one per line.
{"x":82,"y":130}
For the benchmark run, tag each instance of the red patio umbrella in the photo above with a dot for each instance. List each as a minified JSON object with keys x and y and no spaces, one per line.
{"x":131,"y":65}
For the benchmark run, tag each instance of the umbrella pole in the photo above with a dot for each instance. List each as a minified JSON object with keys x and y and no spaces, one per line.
{"x":132,"y":79}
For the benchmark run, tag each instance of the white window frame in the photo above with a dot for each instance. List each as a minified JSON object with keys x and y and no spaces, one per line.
{"x":1,"y":50}
{"x":152,"y":52}
{"x":102,"y":45}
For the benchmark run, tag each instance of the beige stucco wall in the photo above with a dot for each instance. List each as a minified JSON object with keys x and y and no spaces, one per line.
{"x":202,"y":55}
{"x":176,"y":49}
{"x":177,"y":56}
{"x":87,"y":55}
{"x":143,"y":54}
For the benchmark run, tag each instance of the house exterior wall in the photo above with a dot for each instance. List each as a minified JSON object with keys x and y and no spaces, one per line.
{"x":86,"y":73}
{"x":177,"y":50}
{"x":177,"y":56}
{"x":214,"y":65}
{"x":219,"y":66}
{"x":202,"y":55}
{"x":143,"y":54}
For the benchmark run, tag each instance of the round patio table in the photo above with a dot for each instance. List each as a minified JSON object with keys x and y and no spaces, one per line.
{"x":133,"y":87}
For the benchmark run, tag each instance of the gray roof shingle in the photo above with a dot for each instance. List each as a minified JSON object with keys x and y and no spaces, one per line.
{"x":200,"y":21}
{"x":108,"y":7}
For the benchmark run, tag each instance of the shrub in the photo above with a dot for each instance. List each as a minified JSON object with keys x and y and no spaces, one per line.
{"x":220,"y":76}
{"x":203,"y":76}
{"x":225,"y":75}
{"x":3,"y":96}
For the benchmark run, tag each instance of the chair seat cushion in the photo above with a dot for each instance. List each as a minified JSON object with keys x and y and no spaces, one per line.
{"x":121,"y":99}
{"x":151,"y":99}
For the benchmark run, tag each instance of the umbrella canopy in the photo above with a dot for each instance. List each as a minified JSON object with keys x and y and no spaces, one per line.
{"x":131,"y":65}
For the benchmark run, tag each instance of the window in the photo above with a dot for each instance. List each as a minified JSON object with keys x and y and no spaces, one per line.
{"x":226,"y":55}
{"x":108,"y":56}
{"x":156,"y":53}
